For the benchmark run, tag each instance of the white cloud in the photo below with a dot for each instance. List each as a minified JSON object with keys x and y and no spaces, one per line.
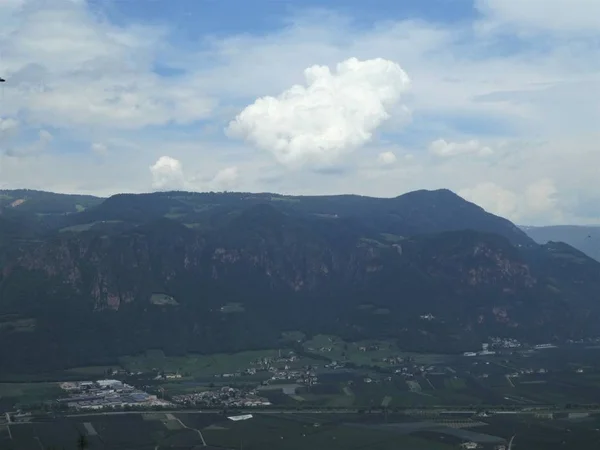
{"x":8,"y":126}
{"x":574,"y":16}
{"x":333,"y":114}
{"x":493,"y":198}
{"x":68,"y":67}
{"x":386,"y":158}
{"x":541,"y":198}
{"x":537,"y":202}
{"x":99,"y":149}
{"x":167,"y":174}
{"x":32,"y":149}
{"x":225,"y":179}
{"x":447,"y":149}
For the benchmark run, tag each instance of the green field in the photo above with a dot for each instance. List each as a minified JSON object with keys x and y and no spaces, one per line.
{"x":172,"y":389}
{"x":358,"y":353}
{"x":366,"y":353}
{"x":91,"y":371}
{"x":326,"y":431}
{"x":194,"y":365}
{"x":535,"y":434}
{"x":297,"y":433}
{"x":101,"y":432}
{"x":455,"y":383}
{"x":17,"y":395}
{"x":178,"y":431}
{"x":27,"y":389}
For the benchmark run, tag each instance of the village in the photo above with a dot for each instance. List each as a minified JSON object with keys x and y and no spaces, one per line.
{"x":227,"y":397}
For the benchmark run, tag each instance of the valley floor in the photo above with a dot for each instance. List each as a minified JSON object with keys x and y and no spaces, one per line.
{"x":327,"y":394}
{"x":310,"y":430}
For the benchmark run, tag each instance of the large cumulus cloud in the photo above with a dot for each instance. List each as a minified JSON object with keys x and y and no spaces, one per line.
{"x":167,"y":173}
{"x":334,"y":113}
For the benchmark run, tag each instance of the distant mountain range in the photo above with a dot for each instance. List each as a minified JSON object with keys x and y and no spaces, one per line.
{"x":84,"y":280}
{"x":583,"y":238}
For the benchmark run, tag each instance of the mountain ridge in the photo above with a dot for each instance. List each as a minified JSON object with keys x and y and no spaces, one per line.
{"x":409,"y":213}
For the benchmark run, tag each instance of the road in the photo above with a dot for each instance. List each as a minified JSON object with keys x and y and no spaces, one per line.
{"x":170,"y":416}
{"x":213,"y":411}
{"x":189,"y":428}
{"x":508,"y":378}
{"x":521,"y":410}
{"x":517,"y":410}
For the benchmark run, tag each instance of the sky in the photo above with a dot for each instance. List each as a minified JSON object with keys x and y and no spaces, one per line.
{"x":497,"y":100}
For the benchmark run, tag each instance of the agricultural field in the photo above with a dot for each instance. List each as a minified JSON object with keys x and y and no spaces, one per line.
{"x":128,"y":431}
{"x":16,"y":395}
{"x":361,"y":389}
{"x":194,"y":365}
{"x":364,"y":353}
{"x":367,"y":390}
{"x":359,"y":353}
{"x":540,"y":434}
{"x":297,"y":432}
{"x":172,"y":431}
{"x":400,"y":393}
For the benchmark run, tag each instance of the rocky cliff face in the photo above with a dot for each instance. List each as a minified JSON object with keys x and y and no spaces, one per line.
{"x":290,"y":271}
{"x":110,"y":271}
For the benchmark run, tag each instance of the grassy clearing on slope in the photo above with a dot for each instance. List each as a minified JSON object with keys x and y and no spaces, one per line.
{"x":231,"y":308}
{"x":91,"y":372}
{"x":86,"y":226}
{"x":19,"y":325}
{"x":162,"y":299}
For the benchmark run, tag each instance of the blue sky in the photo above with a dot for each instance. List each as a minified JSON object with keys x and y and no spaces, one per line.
{"x":498,"y":100}
{"x":196,"y":18}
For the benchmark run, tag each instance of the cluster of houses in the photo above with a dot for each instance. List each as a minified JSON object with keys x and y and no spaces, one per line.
{"x":498,"y":342}
{"x":223,"y":397}
{"x":280,"y":369}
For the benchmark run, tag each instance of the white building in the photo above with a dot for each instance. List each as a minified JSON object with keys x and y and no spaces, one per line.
{"x":108,"y":383}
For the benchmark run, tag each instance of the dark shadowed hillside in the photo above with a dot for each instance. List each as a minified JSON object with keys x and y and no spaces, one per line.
{"x":413,"y":213}
{"x":86,"y":282}
{"x":41,"y":202}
